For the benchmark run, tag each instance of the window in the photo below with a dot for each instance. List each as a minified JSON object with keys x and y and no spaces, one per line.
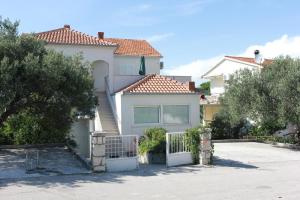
{"x":176,"y":114}
{"x":146,"y":114}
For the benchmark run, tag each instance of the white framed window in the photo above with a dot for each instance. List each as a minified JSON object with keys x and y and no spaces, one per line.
{"x":176,"y":114}
{"x":146,"y":114}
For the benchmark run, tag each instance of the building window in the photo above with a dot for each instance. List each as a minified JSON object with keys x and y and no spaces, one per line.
{"x":146,"y":114}
{"x":176,"y":114}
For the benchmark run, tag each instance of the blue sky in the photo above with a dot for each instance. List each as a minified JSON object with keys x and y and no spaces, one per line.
{"x":184,"y":31}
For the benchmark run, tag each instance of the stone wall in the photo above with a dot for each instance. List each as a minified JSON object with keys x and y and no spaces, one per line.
{"x":206,"y":149}
{"x":98,"y":152}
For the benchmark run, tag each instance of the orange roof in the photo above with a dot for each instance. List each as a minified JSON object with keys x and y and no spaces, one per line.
{"x":66,"y":35}
{"x":128,"y":47}
{"x":154,"y":83}
{"x":133,"y":47}
{"x":250,"y":60}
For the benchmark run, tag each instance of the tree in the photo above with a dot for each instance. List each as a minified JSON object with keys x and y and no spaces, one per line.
{"x":223,"y":128}
{"x":205,"y":87}
{"x":40,"y":83}
{"x":270,"y":97}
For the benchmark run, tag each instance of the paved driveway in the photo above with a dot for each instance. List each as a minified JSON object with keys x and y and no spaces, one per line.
{"x":242,"y":171}
{"x":52,"y":161}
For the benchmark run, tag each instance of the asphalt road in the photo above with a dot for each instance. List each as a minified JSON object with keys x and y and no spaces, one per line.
{"x":241,"y":171}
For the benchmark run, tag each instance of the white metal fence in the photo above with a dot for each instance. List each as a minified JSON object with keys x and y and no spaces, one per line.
{"x":121,"y":152}
{"x":177,"y":149}
{"x":32,"y":161}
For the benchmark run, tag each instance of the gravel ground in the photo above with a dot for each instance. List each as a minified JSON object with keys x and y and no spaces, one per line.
{"x":241,"y":171}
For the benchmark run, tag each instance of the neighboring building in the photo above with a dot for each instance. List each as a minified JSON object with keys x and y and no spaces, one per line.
{"x":221,"y":72}
{"x":128,"y":102}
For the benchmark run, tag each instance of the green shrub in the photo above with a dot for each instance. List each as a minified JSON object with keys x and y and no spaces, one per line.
{"x":153,"y":141}
{"x":5,"y":139}
{"x":265,"y":129}
{"x":29,"y":128}
{"x":193,"y":142}
{"x":223,"y":129}
{"x":286,"y":140}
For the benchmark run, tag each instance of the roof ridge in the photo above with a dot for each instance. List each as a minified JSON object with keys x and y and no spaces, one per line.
{"x":126,"y":39}
{"x":67,"y":35}
{"x":85,"y":34}
{"x":50,"y":31}
{"x":250,"y":60}
{"x":156,"y":83}
{"x":245,"y":57}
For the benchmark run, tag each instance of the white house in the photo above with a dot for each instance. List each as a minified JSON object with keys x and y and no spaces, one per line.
{"x":128,"y":102}
{"x":221,"y":72}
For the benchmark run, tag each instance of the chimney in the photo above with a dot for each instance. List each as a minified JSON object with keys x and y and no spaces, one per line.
{"x":101,"y":35}
{"x":257,"y":57}
{"x":67,"y":26}
{"x":192,"y":86}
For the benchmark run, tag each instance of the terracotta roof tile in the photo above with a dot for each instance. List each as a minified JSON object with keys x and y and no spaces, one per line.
{"x":129,"y":47}
{"x":133,"y":47}
{"x":158,"y":84}
{"x":250,"y":60}
{"x":66,"y":35}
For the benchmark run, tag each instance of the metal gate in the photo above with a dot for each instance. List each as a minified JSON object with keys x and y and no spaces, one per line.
{"x":121,"y":153}
{"x":177,"y":150}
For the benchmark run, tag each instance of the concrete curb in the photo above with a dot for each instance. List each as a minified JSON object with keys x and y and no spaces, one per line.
{"x":233,"y":140}
{"x":283,"y":145}
{"x":274,"y":144}
{"x":37,"y":177}
{"x":27,"y":146}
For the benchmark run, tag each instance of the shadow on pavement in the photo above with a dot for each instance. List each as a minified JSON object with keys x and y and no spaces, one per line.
{"x":232,"y":163}
{"x":118,"y":177}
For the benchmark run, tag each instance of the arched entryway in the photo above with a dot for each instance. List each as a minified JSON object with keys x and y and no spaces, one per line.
{"x":100,"y":71}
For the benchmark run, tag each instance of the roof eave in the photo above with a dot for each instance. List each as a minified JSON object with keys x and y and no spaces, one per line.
{"x":243,"y":62}
{"x":151,"y":56}
{"x":158,"y":93}
{"x":215,"y":66}
{"x":97,"y":45}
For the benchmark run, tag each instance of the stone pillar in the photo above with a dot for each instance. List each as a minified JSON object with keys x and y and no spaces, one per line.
{"x":205,"y":147}
{"x":98,"y":152}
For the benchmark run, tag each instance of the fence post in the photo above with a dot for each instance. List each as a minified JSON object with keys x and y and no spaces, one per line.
{"x":98,"y":152}
{"x":167,"y":148}
{"x":205,"y":147}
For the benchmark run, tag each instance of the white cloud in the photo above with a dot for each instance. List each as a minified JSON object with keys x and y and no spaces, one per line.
{"x":285,"y":45}
{"x":159,"y":37}
{"x":195,"y":69}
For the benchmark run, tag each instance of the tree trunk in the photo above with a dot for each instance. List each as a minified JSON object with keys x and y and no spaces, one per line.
{"x":10,"y":109}
{"x":5,"y":115}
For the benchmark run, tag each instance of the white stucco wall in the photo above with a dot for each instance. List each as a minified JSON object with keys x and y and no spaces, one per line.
{"x":100,"y":71}
{"x":90,"y":54}
{"x":129,"y":101}
{"x":80,"y":134}
{"x":130,"y":65}
{"x":121,"y":81}
{"x":227,"y":67}
{"x":217,"y":85}
{"x":222,"y":71}
{"x":118,"y":109}
{"x":97,"y":122}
